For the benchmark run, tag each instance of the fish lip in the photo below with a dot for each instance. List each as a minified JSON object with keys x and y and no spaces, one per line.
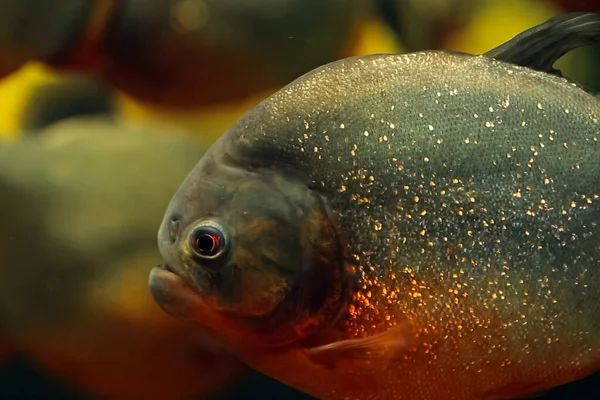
{"x":167,"y":272}
{"x":166,"y":267}
{"x":173,"y":293}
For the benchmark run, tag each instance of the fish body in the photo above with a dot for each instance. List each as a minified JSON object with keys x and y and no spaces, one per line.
{"x":70,"y":97}
{"x":418,"y":226}
{"x":181,"y":54}
{"x":578,"y":5}
{"x":78,"y":202}
{"x":30,"y":30}
{"x":423,"y":24}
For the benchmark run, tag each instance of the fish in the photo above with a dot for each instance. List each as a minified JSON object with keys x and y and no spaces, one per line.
{"x":577,"y":5}
{"x":74,"y":95}
{"x":540,"y":47}
{"x":402,"y":226}
{"x":34,"y":31}
{"x":182,"y":54}
{"x":423,"y":24}
{"x":79,"y":200}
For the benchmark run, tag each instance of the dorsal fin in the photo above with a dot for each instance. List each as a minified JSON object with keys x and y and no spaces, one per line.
{"x":541,"y":46}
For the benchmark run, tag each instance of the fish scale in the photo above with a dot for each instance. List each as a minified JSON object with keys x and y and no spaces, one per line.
{"x":463,"y":200}
{"x":462,"y":192}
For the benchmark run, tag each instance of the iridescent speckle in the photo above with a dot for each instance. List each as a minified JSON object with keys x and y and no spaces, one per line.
{"x":467,"y":192}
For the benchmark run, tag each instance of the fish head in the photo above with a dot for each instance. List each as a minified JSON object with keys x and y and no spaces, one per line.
{"x":250,"y":252}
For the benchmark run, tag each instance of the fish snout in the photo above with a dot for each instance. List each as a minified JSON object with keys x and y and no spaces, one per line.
{"x":174,"y":228}
{"x":169,"y":233}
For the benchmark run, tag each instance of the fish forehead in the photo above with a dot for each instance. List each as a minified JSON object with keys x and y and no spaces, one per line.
{"x":360,"y":101}
{"x":344,"y":82}
{"x":466,"y":188}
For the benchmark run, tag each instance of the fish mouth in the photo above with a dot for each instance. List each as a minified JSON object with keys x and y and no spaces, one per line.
{"x":166,"y":271}
{"x":173,"y":293}
{"x":166,"y":267}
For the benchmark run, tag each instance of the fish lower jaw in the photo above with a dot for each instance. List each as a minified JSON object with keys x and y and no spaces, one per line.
{"x":173,"y":294}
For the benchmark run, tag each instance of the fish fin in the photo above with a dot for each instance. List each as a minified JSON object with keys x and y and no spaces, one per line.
{"x":535,"y":395}
{"x":541,"y":46}
{"x":78,"y":96}
{"x":385,"y":345}
{"x":531,"y":392}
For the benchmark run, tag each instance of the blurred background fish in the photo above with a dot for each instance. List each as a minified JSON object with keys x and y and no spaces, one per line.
{"x":77,"y":95}
{"x":81,"y":336}
{"x":80,"y":199}
{"x":199,"y":63}
{"x":178,"y":66}
{"x":79,"y":203}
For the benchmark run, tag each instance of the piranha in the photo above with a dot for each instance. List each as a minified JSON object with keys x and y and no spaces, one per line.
{"x":414,"y":226}
{"x":86,"y":192}
{"x":181,"y":53}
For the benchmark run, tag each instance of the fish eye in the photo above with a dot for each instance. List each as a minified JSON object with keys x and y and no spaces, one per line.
{"x":208,"y":241}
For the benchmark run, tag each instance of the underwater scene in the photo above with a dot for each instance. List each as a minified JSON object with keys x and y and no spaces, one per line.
{"x":300,"y":199}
